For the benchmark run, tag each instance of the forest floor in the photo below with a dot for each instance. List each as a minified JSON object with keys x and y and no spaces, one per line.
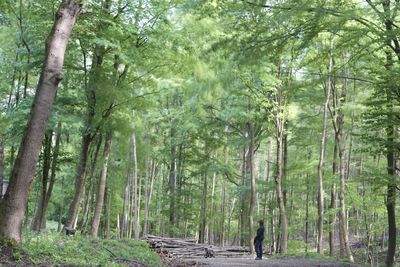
{"x":265,"y":262}
{"x":55,"y":249}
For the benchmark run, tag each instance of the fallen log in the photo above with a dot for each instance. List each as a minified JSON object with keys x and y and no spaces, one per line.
{"x":188,"y":248}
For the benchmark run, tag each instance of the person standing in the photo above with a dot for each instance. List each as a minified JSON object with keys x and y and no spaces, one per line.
{"x":258,"y":240}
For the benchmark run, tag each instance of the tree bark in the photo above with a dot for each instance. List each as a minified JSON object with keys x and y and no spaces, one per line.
{"x":136,"y":191}
{"x":102,"y":186}
{"x":253,"y":192}
{"x":344,"y":234}
{"x":320,"y":168}
{"x":89,"y":195}
{"x":109,"y":195}
{"x":242,"y":213}
{"x":90,"y":129}
{"x":278,"y":185}
{"x":203,"y":215}
{"x":1,"y":166}
{"x":172,"y":185}
{"x":127,"y":194}
{"x":148,"y":195}
{"x":56,"y":151}
{"x":37,"y":219}
{"x":13,"y":206}
{"x":391,"y":167}
{"x":332,"y":205}
{"x":79,"y":181}
{"x":307,"y":213}
{"x":211,"y":222}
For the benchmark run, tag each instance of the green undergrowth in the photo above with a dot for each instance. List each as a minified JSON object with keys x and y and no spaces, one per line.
{"x":57,"y":249}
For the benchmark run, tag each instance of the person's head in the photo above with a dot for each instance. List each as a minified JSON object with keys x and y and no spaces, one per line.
{"x":261,"y":222}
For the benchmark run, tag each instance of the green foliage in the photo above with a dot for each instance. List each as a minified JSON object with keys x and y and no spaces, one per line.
{"x":57,"y":249}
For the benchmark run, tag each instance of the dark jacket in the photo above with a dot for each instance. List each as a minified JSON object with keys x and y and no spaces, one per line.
{"x":260,"y":234}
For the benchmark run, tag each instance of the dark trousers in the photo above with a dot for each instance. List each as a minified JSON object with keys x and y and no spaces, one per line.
{"x":258,"y":247}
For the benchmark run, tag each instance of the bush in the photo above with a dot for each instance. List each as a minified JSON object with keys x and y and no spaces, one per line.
{"x":56,"y":249}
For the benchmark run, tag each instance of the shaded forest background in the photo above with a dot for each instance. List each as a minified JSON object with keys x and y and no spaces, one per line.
{"x":199,"y":118}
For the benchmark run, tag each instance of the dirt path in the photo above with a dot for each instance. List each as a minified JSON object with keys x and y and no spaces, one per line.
{"x":286,"y":262}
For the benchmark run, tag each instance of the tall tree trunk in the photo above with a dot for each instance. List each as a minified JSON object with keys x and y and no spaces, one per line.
{"x":56,"y":151}
{"x":1,"y":166}
{"x":79,"y":181}
{"x":344,"y":233}
{"x":36,"y":221}
{"x":90,"y":129}
{"x":148,"y":195}
{"x":136,"y":192}
{"x":242,"y":211}
{"x":223,"y":214}
{"x":211,"y":223}
{"x":102,"y":186}
{"x":89,"y":196}
{"x":307,"y":213}
{"x":172,"y":187}
{"x":332,"y":205}
{"x":391,"y":164}
{"x":391,"y":193}
{"x":203,"y":215}
{"x":278,"y":184}
{"x":109,"y":194}
{"x":320,"y":168}
{"x":127,"y":194}
{"x":272,"y":224}
{"x":253,"y":192}
{"x":13,"y":206}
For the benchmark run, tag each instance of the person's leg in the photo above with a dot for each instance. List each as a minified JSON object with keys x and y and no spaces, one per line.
{"x":257,"y":247}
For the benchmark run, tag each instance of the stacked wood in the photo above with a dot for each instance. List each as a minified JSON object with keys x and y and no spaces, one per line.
{"x":188,"y":248}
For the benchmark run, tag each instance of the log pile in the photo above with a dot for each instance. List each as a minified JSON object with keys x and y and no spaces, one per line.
{"x":188,"y":248}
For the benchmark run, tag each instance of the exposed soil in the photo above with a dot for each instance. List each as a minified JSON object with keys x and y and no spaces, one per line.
{"x":10,"y":256}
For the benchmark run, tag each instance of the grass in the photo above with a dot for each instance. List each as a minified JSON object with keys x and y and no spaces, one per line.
{"x":296,"y":249}
{"x":57,"y":249}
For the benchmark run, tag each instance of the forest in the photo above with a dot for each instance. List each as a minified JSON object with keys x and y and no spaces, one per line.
{"x":196,"y":119}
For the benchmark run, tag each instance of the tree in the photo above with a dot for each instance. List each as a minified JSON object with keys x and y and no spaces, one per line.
{"x":102,"y":186}
{"x":13,"y":206}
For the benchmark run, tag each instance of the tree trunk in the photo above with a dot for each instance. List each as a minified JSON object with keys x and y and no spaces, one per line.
{"x":332,"y":206}
{"x":203,"y":215}
{"x":344,"y":234}
{"x":211,"y":223}
{"x":320,"y":168}
{"x":391,"y":167}
{"x":79,"y":181}
{"x":136,"y":191}
{"x":37,"y":219}
{"x":307,"y":213}
{"x":102,"y":186}
{"x":90,"y":130}
{"x":127,"y":194}
{"x":172,"y":187}
{"x":278,"y":184}
{"x":1,"y":166}
{"x":109,"y":194}
{"x":148,"y":196}
{"x":242,"y":212}
{"x":223,"y":213}
{"x":56,"y":151}
{"x":13,"y":206}
{"x":253,"y":192}
{"x":272,"y":223}
{"x":89,"y":196}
